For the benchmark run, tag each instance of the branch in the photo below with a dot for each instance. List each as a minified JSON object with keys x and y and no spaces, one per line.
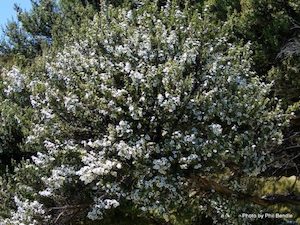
{"x":202,"y":184}
{"x":67,"y":207}
{"x":66,"y":212}
{"x":292,"y":147}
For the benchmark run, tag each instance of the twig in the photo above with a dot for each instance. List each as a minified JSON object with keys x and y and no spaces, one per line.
{"x":68,"y":207}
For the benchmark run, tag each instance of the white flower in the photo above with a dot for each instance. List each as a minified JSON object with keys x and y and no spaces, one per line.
{"x":160,"y":98}
{"x":129,"y":14}
{"x":216,"y":129}
{"x":46,"y":193}
{"x":71,"y":102}
{"x":127,"y":67}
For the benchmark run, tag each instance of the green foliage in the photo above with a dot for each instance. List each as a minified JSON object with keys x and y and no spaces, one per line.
{"x":32,"y":32}
{"x":48,"y":22}
{"x":15,"y":116}
{"x":267,"y":24}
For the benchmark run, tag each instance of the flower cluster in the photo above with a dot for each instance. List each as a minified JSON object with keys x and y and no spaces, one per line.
{"x":13,"y":81}
{"x":100,"y":204}
{"x":27,"y":213}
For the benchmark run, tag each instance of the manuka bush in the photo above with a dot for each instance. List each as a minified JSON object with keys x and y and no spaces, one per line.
{"x":133,"y":110}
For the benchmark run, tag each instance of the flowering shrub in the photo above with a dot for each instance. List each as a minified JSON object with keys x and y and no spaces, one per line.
{"x":133,"y":107}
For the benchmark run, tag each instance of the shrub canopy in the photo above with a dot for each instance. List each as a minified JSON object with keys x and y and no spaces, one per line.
{"x":136,"y":105}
